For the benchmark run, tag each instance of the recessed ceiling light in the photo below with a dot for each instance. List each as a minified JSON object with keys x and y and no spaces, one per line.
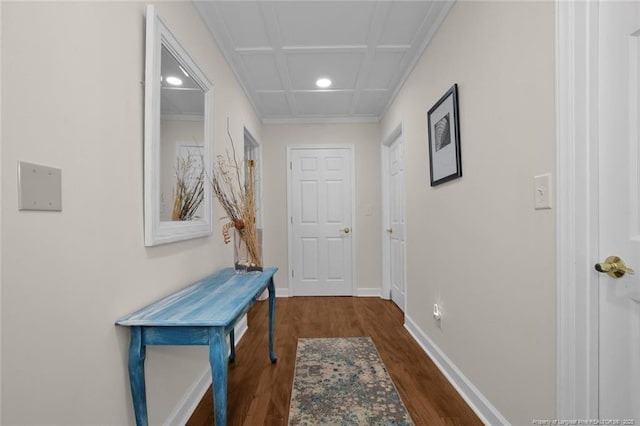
{"x":323,"y":83}
{"x":174,"y":81}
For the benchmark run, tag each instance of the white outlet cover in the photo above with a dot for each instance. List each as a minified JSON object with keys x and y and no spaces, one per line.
{"x":39,"y":187}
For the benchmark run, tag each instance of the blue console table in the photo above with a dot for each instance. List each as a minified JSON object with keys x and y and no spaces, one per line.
{"x":200,"y":314}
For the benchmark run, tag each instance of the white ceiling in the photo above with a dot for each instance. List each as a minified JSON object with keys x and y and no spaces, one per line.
{"x":278,"y":49}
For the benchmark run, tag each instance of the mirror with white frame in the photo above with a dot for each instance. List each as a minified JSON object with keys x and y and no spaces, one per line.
{"x":177,"y":142}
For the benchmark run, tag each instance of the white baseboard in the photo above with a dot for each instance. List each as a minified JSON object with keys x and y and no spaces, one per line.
{"x":488,"y":414}
{"x":193,"y":396}
{"x":190,"y":400}
{"x":361,"y":292}
{"x":282,"y":292}
{"x":368,"y":292}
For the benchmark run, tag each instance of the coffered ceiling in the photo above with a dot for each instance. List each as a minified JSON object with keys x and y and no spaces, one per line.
{"x":279,"y":49}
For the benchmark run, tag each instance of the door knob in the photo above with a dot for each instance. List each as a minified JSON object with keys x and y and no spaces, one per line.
{"x":614,"y":267}
{"x":346,"y":230}
{"x":390,"y":230}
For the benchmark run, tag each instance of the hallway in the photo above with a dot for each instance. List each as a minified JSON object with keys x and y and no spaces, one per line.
{"x":259,"y":392}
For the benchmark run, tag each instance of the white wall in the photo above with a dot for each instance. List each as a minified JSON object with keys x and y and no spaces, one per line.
{"x":72,"y":98}
{"x":476,"y":245}
{"x":365,"y":138}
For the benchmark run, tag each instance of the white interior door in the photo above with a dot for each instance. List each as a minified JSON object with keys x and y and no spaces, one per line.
{"x":321,"y":235}
{"x":619,"y":198}
{"x":396,"y":228}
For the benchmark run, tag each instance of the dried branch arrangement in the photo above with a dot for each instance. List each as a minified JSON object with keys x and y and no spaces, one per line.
{"x":238,"y":201}
{"x":188,"y":193}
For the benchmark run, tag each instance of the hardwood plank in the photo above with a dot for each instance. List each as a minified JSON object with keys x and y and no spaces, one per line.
{"x":259,"y":392}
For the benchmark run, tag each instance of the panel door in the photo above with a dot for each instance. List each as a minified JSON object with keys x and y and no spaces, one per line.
{"x":619,"y":219}
{"x":396,"y":229}
{"x":321,"y":198}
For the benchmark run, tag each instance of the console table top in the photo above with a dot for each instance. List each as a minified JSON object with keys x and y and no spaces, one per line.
{"x":216,"y":300}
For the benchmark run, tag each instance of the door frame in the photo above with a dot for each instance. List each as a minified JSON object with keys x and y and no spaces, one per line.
{"x":385,"y":144}
{"x":249,"y":139}
{"x":578,"y":211}
{"x":354,"y":227}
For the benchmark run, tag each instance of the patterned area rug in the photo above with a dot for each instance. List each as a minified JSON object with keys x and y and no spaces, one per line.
{"x":343,"y":382}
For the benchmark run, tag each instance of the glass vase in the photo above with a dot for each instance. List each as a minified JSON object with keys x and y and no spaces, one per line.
{"x":240,"y":253}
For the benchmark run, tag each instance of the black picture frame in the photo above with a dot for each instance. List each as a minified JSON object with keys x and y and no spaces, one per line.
{"x":443,"y":126}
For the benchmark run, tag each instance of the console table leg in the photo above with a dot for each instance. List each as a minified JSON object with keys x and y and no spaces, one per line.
{"x":272,"y":312}
{"x":218,"y":361}
{"x":137,"y":353}
{"x":232,"y":342}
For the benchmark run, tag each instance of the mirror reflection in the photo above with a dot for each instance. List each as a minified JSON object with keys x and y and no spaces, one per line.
{"x":182,"y":132}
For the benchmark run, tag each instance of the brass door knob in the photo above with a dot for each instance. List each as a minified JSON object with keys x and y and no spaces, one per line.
{"x":346,"y":230}
{"x":390,"y":230}
{"x":614,"y":267}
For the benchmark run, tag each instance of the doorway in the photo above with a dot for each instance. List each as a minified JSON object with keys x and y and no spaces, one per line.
{"x":253,"y":151}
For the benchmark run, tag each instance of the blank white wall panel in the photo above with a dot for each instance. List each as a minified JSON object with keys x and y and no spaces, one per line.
{"x":39,"y":187}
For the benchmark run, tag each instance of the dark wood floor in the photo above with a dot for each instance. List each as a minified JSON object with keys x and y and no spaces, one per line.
{"x":259,"y":392}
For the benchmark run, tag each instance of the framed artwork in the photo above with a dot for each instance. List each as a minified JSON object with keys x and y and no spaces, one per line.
{"x":443,"y":123}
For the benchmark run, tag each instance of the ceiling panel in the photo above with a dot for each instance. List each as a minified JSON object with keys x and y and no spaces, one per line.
{"x":278,"y":49}
{"x":323,"y":103}
{"x":403,"y":22}
{"x":371,"y":103}
{"x":274,"y":104}
{"x":324,"y":23}
{"x":383,"y":69}
{"x":252,"y":31}
{"x":262,"y":71}
{"x":341,"y":68}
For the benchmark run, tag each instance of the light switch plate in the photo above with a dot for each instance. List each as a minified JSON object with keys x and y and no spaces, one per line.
{"x":542,"y":191}
{"x":39,"y":187}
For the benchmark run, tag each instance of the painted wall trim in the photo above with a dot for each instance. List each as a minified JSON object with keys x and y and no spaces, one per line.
{"x":189,"y":402}
{"x":320,"y":120}
{"x":369,"y":292}
{"x":577,"y":212}
{"x":487,"y":413}
{"x":282,"y":292}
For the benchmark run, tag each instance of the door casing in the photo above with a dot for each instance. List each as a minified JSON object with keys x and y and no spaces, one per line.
{"x":577,"y":212}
